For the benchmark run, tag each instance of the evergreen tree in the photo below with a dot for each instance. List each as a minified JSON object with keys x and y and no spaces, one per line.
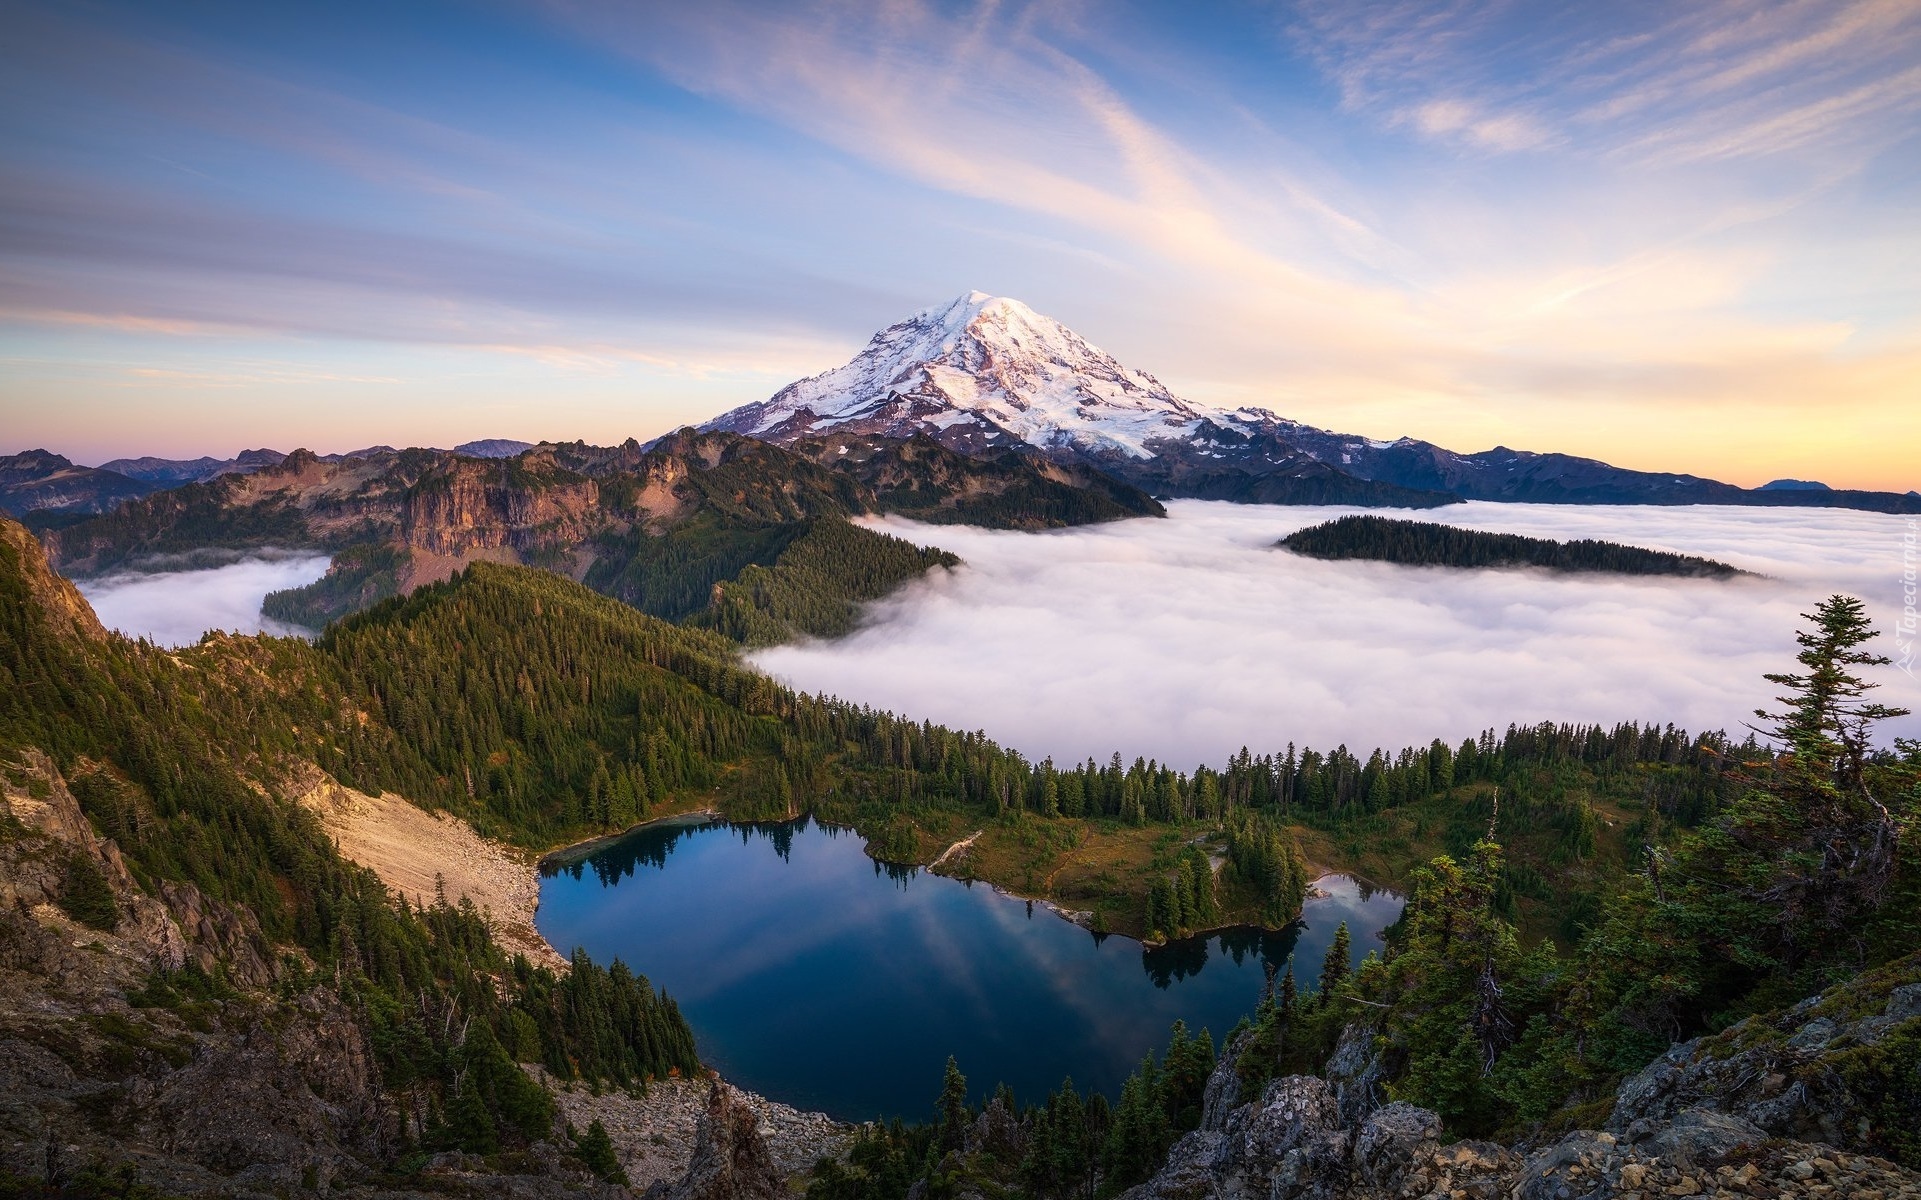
{"x":1183,"y":1078}
{"x":85,"y":894}
{"x":1163,"y":908}
{"x":1200,"y":877}
{"x":952,"y":1108}
{"x":469,"y":1126}
{"x":1140,"y":1133}
{"x":595,"y":1150}
{"x":1446,"y":974}
{"x":1768,"y":897}
{"x":1335,"y":967}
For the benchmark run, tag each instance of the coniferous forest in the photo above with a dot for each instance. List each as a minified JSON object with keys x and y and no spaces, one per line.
{"x":171,"y":769}
{"x":1796,"y":876}
{"x":1580,"y":897}
{"x":1425,"y":544}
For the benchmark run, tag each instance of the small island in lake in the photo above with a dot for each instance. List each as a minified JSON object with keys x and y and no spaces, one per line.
{"x":1425,"y":543}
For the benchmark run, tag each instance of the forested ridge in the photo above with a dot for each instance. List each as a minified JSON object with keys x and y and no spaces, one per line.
{"x":735,"y":534}
{"x":356,"y":578}
{"x":547,"y":714}
{"x":1426,"y":543}
{"x":172,"y":757}
{"x":1591,"y":893}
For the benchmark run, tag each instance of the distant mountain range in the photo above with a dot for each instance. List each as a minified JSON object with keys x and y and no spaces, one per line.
{"x":712,"y":528}
{"x":986,"y":371}
{"x":984,"y":377}
{"x":42,"y":482}
{"x":172,"y":472}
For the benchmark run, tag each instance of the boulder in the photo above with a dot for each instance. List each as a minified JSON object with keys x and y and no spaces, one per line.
{"x":1388,"y":1143}
{"x":1358,"y":1072}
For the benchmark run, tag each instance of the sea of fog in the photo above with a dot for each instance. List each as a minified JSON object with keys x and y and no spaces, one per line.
{"x":175,"y":608}
{"x":1187,"y":638}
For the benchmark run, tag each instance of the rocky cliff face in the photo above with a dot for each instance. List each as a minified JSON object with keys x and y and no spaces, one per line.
{"x":263,"y":1083}
{"x":487,"y":506}
{"x":176,"y":928}
{"x":241,"y":1092}
{"x":431,"y":500}
{"x":1773,"y":1107}
{"x":65,"y":607}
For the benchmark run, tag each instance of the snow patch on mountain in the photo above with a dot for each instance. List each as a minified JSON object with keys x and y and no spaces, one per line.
{"x":996,"y":364}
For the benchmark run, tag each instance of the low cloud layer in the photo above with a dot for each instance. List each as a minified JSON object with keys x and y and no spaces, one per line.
{"x":176,"y":608}
{"x":1188,"y":638}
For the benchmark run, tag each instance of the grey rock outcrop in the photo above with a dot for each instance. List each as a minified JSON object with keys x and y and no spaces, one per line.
{"x":1292,"y":1144}
{"x":1773,"y":1073}
{"x":1289,"y":1144}
{"x":1704,"y":1120}
{"x":1293,"y":1139}
{"x":1358,"y":1072}
{"x":997,"y":1132}
{"x":1387,"y":1145}
{"x":731,"y":1160}
{"x":1223,"y":1091}
{"x":654,"y":1131}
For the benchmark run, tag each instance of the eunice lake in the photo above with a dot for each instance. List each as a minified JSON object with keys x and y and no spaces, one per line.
{"x":819,"y":978}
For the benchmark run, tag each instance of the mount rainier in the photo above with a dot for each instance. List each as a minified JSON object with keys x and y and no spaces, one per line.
{"x":984,"y":374}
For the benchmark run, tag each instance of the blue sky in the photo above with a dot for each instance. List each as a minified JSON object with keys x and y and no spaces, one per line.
{"x":1673,"y":236}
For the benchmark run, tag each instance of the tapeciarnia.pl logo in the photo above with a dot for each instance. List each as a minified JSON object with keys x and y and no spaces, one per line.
{"x":1905,"y":628}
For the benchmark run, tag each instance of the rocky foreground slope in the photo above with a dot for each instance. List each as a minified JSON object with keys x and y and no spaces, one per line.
{"x":1763,"y":1109}
{"x":245,"y":1075}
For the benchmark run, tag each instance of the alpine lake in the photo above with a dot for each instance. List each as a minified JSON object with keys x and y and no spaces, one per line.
{"x":822,"y":979}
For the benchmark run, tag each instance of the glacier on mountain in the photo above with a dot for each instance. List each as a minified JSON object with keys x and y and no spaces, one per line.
{"x":995,"y":364}
{"x":986,"y":374}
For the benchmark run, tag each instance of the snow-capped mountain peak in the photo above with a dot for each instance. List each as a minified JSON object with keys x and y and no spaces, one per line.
{"x":984,"y":371}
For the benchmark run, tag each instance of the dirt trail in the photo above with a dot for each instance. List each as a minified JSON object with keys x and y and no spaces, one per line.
{"x":408,"y":847}
{"x":956,"y":848}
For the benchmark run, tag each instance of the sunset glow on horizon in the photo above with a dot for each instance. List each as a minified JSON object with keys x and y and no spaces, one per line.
{"x":1675,"y":238}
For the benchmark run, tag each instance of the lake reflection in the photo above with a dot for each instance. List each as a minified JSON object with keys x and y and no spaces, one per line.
{"x":825,"y":980}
